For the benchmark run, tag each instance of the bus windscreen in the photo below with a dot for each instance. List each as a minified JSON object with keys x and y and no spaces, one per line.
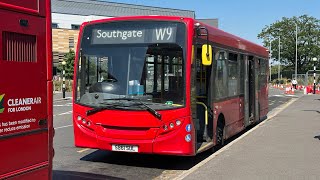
{"x":142,"y":60}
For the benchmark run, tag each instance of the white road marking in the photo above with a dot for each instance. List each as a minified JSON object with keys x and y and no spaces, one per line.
{"x":283,"y":95}
{"x":63,"y":126}
{"x":270,"y":116}
{"x":290,"y":95}
{"x":61,"y":105}
{"x":278,"y":95}
{"x":65,"y":113}
{"x":62,"y":99}
{"x":83,"y":150}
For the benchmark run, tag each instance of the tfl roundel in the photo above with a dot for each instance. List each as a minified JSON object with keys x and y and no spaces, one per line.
{"x":188,"y":127}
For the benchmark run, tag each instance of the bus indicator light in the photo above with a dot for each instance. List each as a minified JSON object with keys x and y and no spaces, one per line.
{"x":171,"y":125}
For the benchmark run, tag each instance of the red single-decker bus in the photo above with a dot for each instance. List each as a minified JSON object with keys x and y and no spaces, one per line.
{"x":165,"y":85}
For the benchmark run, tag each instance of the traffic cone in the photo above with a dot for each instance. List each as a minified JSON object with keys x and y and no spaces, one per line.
{"x":287,"y":90}
{"x":305,"y":90}
{"x":281,"y":87}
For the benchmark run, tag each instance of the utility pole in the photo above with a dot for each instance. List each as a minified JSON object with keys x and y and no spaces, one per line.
{"x":270,"y":56}
{"x":296,"y":68}
{"x":279,"y":67}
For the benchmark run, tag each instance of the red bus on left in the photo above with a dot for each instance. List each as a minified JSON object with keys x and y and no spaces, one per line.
{"x":26,"y":130}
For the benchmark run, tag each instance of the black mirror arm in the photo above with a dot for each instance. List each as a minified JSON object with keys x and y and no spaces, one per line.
{"x":206,"y":34}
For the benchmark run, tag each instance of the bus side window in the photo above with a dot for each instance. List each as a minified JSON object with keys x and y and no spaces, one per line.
{"x":221,"y":75}
{"x":233,"y":74}
{"x":241,"y":77}
{"x":263,"y":73}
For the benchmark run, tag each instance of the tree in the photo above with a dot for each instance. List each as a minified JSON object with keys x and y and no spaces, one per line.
{"x":308,"y":41}
{"x":69,"y":58}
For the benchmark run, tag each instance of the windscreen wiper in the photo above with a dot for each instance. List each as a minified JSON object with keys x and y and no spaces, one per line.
{"x":149,"y":109}
{"x":98,"y":109}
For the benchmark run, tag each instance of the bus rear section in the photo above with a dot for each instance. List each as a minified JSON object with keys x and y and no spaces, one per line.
{"x":26,"y":90}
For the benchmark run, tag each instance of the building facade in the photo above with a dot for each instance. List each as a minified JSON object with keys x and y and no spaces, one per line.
{"x":68,"y":15}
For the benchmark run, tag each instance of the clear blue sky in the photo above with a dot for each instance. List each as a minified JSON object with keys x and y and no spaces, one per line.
{"x":244,"y":18}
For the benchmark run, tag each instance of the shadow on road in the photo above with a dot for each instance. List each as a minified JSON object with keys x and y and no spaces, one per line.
{"x":72,"y":175}
{"x":153,"y":161}
{"x":313,"y":111}
{"x":146,"y":160}
{"x":317,"y":137}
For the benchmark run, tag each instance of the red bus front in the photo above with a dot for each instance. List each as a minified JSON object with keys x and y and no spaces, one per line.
{"x":131,"y":90}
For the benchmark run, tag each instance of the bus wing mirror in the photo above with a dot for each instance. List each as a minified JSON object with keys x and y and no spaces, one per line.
{"x":206,"y":55}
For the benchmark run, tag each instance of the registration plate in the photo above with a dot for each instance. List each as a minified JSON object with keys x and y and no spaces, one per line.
{"x":124,"y":148}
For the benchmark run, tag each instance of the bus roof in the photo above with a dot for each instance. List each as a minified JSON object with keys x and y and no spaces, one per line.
{"x":216,"y":35}
{"x":223,"y":38}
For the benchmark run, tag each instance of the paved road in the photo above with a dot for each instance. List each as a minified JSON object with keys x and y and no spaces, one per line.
{"x":80,"y":163}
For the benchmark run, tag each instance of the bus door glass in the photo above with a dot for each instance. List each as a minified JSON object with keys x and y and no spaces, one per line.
{"x":251,"y":76}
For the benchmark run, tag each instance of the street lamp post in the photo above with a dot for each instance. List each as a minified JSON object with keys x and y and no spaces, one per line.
{"x":279,"y":67}
{"x":63,"y":79}
{"x":314,"y":74}
{"x":270,"y":56}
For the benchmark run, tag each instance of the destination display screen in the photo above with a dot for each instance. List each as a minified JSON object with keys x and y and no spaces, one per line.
{"x":162,"y":33}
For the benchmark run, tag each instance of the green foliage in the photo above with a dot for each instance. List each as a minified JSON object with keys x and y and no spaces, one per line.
{"x":281,"y":81}
{"x":57,"y":85}
{"x":69,"y":58}
{"x":308,"y":41}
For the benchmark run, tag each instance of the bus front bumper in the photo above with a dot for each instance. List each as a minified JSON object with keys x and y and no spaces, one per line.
{"x":173,"y":143}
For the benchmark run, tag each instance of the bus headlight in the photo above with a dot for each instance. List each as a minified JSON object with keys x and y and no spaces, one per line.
{"x":170,"y":126}
{"x":83,"y":122}
{"x":178,"y":122}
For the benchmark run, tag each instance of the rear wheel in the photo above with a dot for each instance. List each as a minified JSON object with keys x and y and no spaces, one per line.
{"x":220,"y":133}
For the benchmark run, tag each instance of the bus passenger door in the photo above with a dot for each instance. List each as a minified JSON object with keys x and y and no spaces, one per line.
{"x":257,"y":90}
{"x":249,"y":90}
{"x":202,"y":101}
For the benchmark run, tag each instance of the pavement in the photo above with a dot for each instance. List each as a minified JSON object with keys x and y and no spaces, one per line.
{"x":285,"y":146}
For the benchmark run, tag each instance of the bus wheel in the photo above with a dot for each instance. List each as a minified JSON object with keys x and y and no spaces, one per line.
{"x":220,"y":133}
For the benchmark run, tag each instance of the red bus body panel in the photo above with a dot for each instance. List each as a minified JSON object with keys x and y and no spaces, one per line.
{"x":26,"y":126}
{"x":140,"y":127}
